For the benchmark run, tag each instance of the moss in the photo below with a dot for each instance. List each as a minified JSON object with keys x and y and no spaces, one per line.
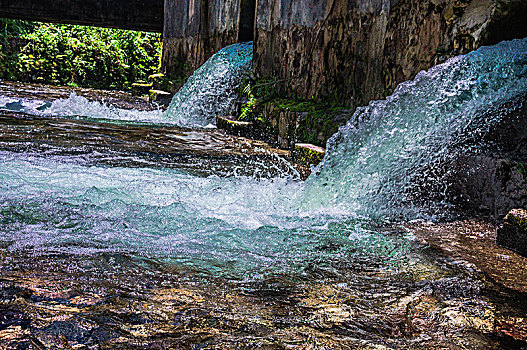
{"x":234,"y":127}
{"x":308,"y":154}
{"x":141,"y":89}
{"x":518,"y":219}
{"x":522,"y":168}
{"x":159,"y":96}
{"x":321,"y":120}
{"x":165,"y":83}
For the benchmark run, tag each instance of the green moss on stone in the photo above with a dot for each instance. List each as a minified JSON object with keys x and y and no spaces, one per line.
{"x":518,"y":219}
{"x":308,"y":154}
{"x":320,"y":119}
{"x":234,"y":127}
{"x":320,"y":122}
{"x":141,"y":89}
{"x":160,"y":97}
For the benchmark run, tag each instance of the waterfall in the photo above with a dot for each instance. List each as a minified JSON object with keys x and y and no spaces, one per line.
{"x":372,"y":161}
{"x":211,"y":90}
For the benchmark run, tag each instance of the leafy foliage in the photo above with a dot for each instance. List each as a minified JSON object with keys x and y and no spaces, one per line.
{"x":77,"y":55}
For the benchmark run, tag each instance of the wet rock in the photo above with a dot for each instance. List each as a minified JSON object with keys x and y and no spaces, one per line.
{"x":140,"y":89}
{"x":307,"y":154}
{"x":471,"y":246}
{"x":513,"y":233}
{"x":456,"y":287}
{"x":10,"y":293}
{"x":67,"y":329}
{"x":234,"y":127}
{"x":11,"y":317}
{"x":103,"y":334}
{"x":161,"y":97}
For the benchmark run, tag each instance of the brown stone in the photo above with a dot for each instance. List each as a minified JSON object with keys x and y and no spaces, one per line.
{"x":357,"y":51}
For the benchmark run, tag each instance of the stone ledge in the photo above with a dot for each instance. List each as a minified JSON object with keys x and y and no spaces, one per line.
{"x":161,"y":97}
{"x":308,"y":154}
{"x":234,"y":127}
{"x":140,"y":89}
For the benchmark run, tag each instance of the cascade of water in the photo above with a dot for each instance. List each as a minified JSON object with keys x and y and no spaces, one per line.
{"x":372,"y":160}
{"x":211,"y":90}
{"x":233,"y":225}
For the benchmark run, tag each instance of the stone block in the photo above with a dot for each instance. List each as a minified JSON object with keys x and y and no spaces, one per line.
{"x":308,"y":154}
{"x":234,"y":127}
{"x":160,"y":97}
{"x":513,"y":233}
{"x":140,"y":89}
{"x":160,"y":82}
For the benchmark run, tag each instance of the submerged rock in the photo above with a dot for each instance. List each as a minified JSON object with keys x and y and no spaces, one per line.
{"x":513,"y":233}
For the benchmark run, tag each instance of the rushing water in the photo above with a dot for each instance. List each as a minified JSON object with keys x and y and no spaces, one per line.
{"x":373,"y":161}
{"x":250,"y":229}
{"x":209,"y":92}
{"x":245,"y":223}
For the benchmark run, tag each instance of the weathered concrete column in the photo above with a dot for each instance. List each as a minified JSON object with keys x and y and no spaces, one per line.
{"x":196,"y":29}
{"x":354,"y":51}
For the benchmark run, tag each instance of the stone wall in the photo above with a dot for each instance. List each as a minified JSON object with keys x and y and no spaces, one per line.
{"x":122,"y":14}
{"x":196,"y":29}
{"x":353,"y":51}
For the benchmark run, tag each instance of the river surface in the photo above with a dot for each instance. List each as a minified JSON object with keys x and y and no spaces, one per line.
{"x":120,"y":227}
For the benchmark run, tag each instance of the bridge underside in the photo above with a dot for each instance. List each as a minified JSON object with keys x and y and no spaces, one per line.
{"x":144,"y":15}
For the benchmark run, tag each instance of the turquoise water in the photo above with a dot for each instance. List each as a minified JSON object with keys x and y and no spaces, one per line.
{"x":237,"y":225}
{"x":373,"y":162}
{"x":248,"y":227}
{"x":210,"y":91}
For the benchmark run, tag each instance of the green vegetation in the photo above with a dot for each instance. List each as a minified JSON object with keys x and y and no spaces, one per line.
{"x":321,"y":117}
{"x":258,"y":93}
{"x":522,"y":168}
{"x":77,"y":56}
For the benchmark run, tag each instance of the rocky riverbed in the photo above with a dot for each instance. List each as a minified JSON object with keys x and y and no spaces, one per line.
{"x":78,"y":272}
{"x":470,"y":294}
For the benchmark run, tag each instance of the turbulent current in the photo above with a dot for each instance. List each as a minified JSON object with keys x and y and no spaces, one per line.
{"x":240,"y":224}
{"x":373,"y":162}
{"x":121,"y":229}
{"x":209,"y":92}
